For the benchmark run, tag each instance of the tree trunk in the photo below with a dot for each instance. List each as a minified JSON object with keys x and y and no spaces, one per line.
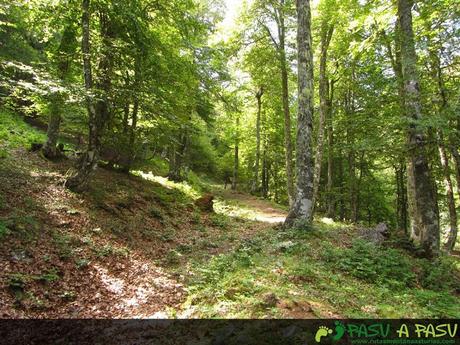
{"x":452,"y":238}
{"x":407,"y":212}
{"x":265,"y":164}
{"x":285,"y":100}
{"x":287,"y":126}
{"x":132,"y":130}
{"x":426,"y":231}
{"x":301,"y":210}
{"x":351,"y":156}
{"x":255,"y":183}
{"x":65,"y":49}
{"x":265,"y":176}
{"x":456,"y":156}
{"x":342,"y":188}
{"x":98,"y":113}
{"x":50,"y":149}
{"x":132,"y":137}
{"x":324,"y":107}
{"x":401,"y":197}
{"x":330,"y":160}
{"x":236,"y":159}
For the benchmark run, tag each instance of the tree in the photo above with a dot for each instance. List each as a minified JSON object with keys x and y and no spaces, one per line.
{"x":327,"y":30}
{"x":425,"y":227}
{"x":277,"y":13}
{"x":63,"y":58}
{"x":97,"y":111}
{"x":301,"y":209}
{"x":255,"y":184}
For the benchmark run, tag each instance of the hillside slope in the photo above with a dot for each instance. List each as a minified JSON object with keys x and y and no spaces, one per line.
{"x":137,"y":246}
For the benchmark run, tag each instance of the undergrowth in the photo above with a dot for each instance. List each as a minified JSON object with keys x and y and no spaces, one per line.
{"x":295,"y":266}
{"x":15,"y":133}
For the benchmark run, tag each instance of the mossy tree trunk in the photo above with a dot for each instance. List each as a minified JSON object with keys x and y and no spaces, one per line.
{"x":426,"y":230}
{"x":301,"y":209}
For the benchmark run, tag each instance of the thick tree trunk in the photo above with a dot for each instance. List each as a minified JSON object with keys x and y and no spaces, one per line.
{"x":426,"y":231}
{"x":324,"y":108}
{"x":301,"y":210}
{"x":97,"y":114}
{"x":255,"y":183}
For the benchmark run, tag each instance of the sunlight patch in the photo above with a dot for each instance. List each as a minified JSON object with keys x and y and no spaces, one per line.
{"x":184,"y":187}
{"x":327,"y":221}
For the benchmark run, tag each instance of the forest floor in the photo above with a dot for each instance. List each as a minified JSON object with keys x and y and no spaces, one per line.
{"x":136,"y":246}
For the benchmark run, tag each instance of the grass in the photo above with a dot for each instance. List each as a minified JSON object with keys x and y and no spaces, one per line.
{"x":15,"y":133}
{"x":300,"y":268}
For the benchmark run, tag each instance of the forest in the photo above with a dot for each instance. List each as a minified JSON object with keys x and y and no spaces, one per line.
{"x":229,"y":159}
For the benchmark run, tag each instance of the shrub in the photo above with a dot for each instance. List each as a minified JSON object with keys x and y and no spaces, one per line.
{"x":4,"y":231}
{"x":440,"y":274}
{"x":374,"y":264}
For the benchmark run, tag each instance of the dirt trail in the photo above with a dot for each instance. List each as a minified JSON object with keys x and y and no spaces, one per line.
{"x":263,"y":210}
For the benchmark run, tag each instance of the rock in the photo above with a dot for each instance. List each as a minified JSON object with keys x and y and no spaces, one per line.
{"x":269,"y":299}
{"x":375,"y":235}
{"x":205,"y":203}
{"x":284,"y":246}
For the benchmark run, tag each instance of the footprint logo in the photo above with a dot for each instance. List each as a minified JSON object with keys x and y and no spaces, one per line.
{"x":339,"y":331}
{"x":322,"y":332}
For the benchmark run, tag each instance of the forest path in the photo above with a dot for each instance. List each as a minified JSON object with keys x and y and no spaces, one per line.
{"x":261,"y":210}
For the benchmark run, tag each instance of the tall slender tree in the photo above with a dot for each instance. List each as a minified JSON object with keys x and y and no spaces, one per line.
{"x":98,"y":111}
{"x":255,"y":183}
{"x":327,"y":30}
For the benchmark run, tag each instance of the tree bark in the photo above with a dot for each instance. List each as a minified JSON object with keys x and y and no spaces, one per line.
{"x":324,"y":108}
{"x":301,"y":210}
{"x":426,"y":231}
